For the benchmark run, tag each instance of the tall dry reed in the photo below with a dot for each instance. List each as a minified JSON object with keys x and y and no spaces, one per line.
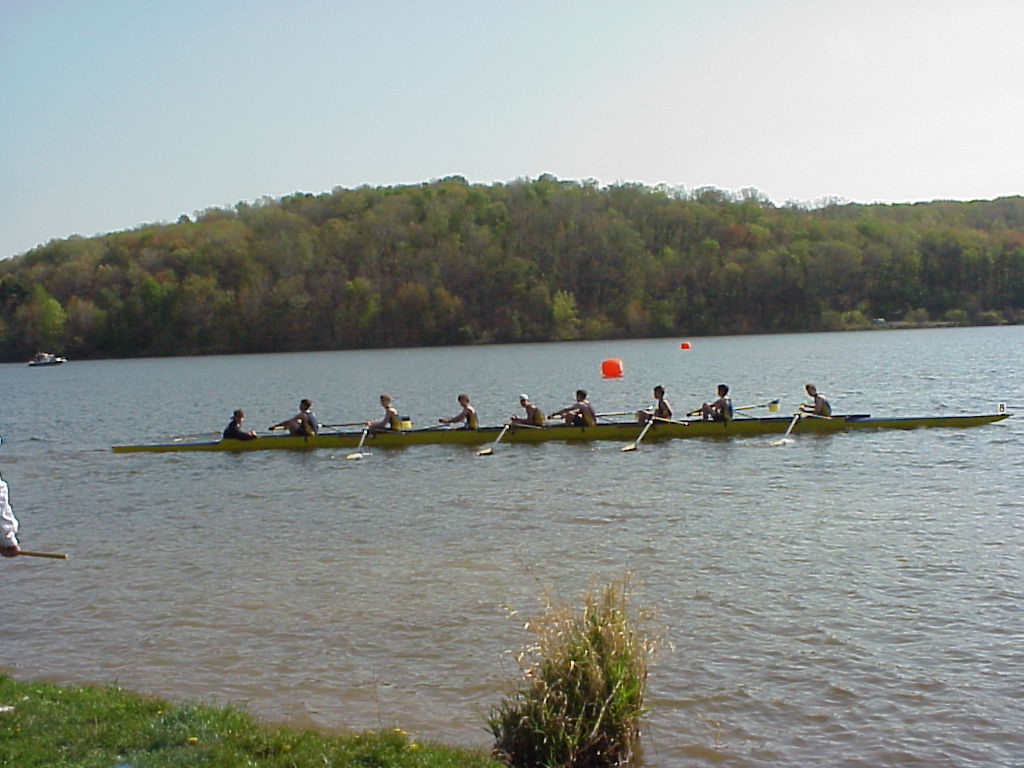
{"x":582,"y":694}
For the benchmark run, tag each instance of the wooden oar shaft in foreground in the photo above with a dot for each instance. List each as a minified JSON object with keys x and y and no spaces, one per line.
{"x":33,"y":553}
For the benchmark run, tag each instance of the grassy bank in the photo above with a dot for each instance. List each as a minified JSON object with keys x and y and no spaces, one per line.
{"x":86,"y":727}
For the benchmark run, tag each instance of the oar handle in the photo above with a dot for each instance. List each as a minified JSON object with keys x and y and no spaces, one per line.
{"x":33,"y":553}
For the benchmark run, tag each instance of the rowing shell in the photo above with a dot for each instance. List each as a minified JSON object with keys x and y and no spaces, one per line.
{"x":621,"y":432}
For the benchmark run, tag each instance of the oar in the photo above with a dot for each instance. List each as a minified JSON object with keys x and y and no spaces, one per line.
{"x":771,"y":405}
{"x":33,"y":553}
{"x":682,"y":422}
{"x":614,"y":413}
{"x":350,"y":424}
{"x":632,"y":446}
{"x":782,"y":440}
{"x":359,"y":448}
{"x":490,"y":449}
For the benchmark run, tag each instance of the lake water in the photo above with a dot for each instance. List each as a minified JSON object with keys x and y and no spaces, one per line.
{"x":846,"y":600}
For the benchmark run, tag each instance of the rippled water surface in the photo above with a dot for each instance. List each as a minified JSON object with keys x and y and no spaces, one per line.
{"x":853,"y":599}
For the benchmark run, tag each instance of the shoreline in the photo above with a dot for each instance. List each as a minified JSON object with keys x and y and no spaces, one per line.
{"x":879,"y":324}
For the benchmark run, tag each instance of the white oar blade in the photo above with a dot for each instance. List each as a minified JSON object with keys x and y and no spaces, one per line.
{"x":786,"y":439}
{"x":485,"y":452}
{"x":632,"y":446}
{"x":359,"y":452}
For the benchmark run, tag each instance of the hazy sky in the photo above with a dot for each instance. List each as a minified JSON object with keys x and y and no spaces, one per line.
{"x":115,"y":113}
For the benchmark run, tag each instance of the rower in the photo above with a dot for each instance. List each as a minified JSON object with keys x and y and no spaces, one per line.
{"x":661,"y":410}
{"x":579,"y":414}
{"x":304,"y":423}
{"x":819,"y":405}
{"x":467,"y":414}
{"x":719,"y":410}
{"x":390,"y":420}
{"x":9,"y":546}
{"x":534,"y":415}
{"x":234,"y":429}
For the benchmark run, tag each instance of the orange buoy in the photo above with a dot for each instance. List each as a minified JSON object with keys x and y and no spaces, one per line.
{"x":611,"y":368}
{"x":684,"y":345}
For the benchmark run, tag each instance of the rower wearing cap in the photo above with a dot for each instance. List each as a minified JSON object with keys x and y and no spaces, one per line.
{"x":467,"y":414}
{"x":534,"y":415}
{"x":234,"y":429}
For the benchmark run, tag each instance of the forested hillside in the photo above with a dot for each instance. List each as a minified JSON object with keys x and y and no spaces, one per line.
{"x":449,"y":262}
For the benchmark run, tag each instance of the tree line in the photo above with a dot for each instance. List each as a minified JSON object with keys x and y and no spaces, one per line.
{"x":449,"y":262}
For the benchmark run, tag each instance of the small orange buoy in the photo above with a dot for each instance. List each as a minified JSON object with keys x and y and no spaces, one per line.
{"x":611,"y":368}
{"x":684,"y":345}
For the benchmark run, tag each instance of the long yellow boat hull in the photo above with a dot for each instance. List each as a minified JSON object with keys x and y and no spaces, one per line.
{"x":624,"y":432}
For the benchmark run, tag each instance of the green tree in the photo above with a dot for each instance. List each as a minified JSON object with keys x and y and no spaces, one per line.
{"x":564,"y":315}
{"x":453,"y":262}
{"x":40,"y":321}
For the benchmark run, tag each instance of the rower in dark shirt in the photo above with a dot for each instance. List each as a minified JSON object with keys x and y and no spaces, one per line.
{"x":234,"y":431}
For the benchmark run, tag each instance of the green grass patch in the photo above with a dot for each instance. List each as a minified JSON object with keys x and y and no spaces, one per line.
{"x":53,"y":726}
{"x":582,"y":695}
